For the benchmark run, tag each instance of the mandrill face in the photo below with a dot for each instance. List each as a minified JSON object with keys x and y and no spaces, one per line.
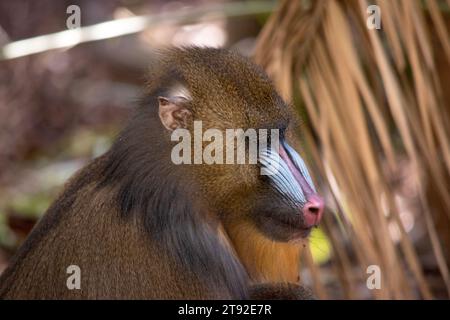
{"x":275,"y":194}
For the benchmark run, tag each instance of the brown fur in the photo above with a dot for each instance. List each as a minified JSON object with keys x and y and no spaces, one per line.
{"x":140,"y":227}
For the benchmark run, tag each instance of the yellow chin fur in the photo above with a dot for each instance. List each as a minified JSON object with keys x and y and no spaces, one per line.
{"x":265,"y":259}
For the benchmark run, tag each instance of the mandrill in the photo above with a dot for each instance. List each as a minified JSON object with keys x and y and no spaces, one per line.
{"x":136,"y":225}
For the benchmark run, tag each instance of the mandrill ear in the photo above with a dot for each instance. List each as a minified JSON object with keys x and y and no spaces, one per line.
{"x":173,"y":110}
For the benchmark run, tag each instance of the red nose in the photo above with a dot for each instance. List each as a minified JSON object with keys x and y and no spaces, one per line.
{"x":313,"y":210}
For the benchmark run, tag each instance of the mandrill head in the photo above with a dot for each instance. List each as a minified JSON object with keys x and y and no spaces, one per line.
{"x":216,"y":91}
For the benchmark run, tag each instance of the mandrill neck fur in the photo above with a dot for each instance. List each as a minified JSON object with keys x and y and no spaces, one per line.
{"x":162,"y":197}
{"x":179,"y":221}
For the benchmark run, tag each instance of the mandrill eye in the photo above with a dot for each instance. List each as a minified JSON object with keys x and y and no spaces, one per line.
{"x":282,"y":133}
{"x":273,"y":141}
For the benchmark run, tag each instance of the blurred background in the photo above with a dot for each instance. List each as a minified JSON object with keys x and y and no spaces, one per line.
{"x":374,"y":106}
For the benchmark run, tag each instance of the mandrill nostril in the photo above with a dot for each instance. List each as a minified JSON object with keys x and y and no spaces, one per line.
{"x":313,"y":210}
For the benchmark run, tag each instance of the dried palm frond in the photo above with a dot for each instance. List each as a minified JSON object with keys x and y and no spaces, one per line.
{"x":373,"y":105}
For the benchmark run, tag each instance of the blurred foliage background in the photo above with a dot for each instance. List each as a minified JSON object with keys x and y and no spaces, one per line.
{"x":374,"y":109}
